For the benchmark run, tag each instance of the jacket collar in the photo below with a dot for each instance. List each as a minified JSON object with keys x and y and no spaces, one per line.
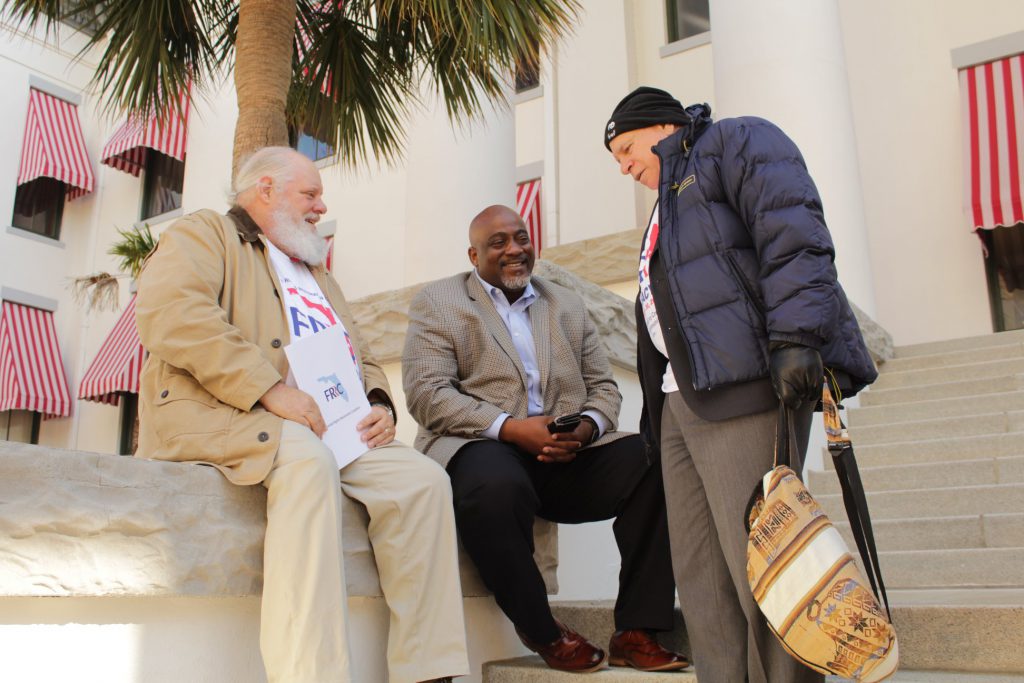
{"x":247,"y":228}
{"x":683,"y":140}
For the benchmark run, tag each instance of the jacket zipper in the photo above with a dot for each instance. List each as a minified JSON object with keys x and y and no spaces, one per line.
{"x":662,"y":206}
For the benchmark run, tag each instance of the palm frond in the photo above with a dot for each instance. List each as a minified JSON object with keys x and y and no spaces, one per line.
{"x":98,"y":291}
{"x":155,"y":50}
{"x":360,"y":63}
{"x":133,"y":248}
{"x":352,"y":83}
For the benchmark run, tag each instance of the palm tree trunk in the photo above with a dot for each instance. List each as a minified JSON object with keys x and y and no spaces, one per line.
{"x":263,"y":74}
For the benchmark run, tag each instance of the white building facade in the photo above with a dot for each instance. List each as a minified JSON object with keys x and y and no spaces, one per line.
{"x":869,"y":90}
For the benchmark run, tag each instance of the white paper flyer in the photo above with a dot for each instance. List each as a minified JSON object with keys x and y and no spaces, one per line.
{"x":323,"y":367}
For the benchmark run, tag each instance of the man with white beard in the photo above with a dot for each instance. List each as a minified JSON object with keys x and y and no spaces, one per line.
{"x":218,"y":301}
{"x":491,"y":358}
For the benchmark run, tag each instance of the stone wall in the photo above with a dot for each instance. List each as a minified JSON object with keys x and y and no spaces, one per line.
{"x":83,"y":524}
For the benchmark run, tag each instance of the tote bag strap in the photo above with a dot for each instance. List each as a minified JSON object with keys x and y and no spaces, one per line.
{"x":841,"y":449}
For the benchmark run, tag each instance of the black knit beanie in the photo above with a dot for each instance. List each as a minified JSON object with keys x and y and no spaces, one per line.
{"x":642,"y":108}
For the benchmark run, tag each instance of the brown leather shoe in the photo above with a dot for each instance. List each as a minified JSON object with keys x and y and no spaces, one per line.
{"x":640,"y":649}
{"x":570,"y":652}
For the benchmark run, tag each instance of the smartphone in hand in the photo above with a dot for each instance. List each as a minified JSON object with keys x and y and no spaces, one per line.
{"x":564,"y":423}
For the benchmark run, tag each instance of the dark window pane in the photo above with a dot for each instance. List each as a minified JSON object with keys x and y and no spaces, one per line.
{"x":129,"y":439}
{"x":39,"y":206}
{"x":312,"y":147}
{"x":164,"y":180}
{"x":1004,"y":267}
{"x":83,"y":18}
{"x":687,"y":18}
{"x":19,"y":425}
{"x":527,"y":77}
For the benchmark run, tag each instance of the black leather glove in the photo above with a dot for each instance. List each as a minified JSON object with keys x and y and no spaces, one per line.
{"x":796,"y":373}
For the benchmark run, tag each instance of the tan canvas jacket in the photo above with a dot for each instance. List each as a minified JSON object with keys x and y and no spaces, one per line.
{"x":210,"y":316}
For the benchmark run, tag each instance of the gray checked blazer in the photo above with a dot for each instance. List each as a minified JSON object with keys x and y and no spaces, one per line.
{"x":460,"y":369}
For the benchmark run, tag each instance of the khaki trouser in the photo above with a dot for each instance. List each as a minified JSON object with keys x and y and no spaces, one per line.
{"x":412,"y":531}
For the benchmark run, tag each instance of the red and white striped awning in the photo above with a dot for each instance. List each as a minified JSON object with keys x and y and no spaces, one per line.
{"x":118,"y":363}
{"x":528,"y":206}
{"x":31,"y":367}
{"x":166,"y":132}
{"x":53,"y":146}
{"x":992,"y":102}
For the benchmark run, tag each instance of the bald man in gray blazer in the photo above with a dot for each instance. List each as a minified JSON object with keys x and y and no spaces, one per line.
{"x":491,"y":358}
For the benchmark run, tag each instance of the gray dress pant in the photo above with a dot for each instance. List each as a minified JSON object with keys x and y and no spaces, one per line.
{"x":710,"y":470}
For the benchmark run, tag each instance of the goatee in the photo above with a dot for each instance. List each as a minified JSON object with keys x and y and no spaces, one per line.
{"x":516,"y":283}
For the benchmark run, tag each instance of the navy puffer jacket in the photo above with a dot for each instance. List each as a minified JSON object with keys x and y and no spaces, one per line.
{"x":748,"y":256}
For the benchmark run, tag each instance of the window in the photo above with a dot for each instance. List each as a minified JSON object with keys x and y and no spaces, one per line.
{"x":83,"y":18}
{"x":310,"y":137}
{"x":1004,"y":268}
{"x":19,"y":425}
{"x":311,"y":141}
{"x":687,"y":18}
{"x":163,"y":183}
{"x":129,"y":438}
{"x":39,"y":206}
{"x":312,"y":147}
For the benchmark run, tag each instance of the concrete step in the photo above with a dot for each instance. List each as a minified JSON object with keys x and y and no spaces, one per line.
{"x":937,"y":451}
{"x":878,"y":396}
{"x":962,"y":630}
{"x":962,"y":344}
{"x":533,"y":670}
{"x":959,"y":357}
{"x":953,"y":568}
{"x":980,"y":472}
{"x":954,"y":373}
{"x":937,"y":502}
{"x":1002,"y":530}
{"x":902,"y":676}
{"x":958,"y":407}
{"x":939,"y":428}
{"x":967,"y":631}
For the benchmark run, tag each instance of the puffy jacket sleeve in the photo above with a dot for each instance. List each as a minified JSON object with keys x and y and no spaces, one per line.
{"x":765,"y":179}
{"x":181,"y":322}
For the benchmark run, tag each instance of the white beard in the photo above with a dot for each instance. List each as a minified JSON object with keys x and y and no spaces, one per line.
{"x":298,"y":239}
{"x":516,"y":283}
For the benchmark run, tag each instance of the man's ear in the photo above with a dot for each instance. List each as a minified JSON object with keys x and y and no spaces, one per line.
{"x":472,"y":256}
{"x":264,"y":187}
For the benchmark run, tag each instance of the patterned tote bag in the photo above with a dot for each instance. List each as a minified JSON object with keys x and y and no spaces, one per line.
{"x":802,"y":574}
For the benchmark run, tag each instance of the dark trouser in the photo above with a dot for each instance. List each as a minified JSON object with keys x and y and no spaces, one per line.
{"x":498,"y":490}
{"x":711,"y":469}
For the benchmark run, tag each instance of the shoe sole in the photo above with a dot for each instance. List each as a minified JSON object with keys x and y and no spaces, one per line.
{"x":622,"y":662}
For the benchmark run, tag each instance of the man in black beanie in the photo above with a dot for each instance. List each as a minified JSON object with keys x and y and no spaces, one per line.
{"x":738,"y":309}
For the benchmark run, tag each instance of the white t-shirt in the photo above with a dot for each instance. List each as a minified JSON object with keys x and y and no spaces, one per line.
{"x":668,"y":380}
{"x":306,"y":308}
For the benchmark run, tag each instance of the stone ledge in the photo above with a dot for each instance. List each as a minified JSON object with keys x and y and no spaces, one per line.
{"x":83,"y":524}
{"x":603,"y":260}
{"x":384,"y":317}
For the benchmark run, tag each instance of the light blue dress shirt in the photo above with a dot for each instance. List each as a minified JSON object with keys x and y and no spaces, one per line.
{"x":516,"y":317}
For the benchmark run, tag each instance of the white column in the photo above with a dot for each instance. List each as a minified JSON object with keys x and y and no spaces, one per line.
{"x":452,"y":174}
{"x":784,"y":61}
